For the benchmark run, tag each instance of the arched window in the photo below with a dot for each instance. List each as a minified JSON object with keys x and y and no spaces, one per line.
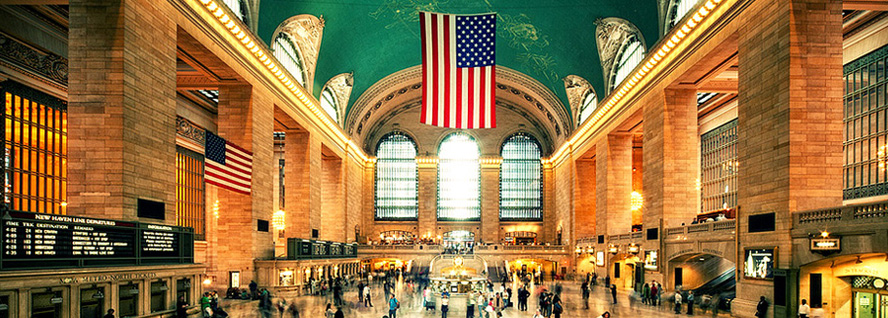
{"x":459,"y":178}
{"x":239,"y":8}
{"x":329,"y":104}
{"x":590,"y":103}
{"x":632,"y":54}
{"x":286,"y":52}
{"x":396,"y":180}
{"x":679,"y":8}
{"x":521,"y":179}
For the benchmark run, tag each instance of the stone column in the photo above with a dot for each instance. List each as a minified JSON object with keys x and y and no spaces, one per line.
{"x":671,"y":162}
{"x":789,"y":126}
{"x":613,"y":184}
{"x":122,"y":108}
{"x":428,"y":194}
{"x":245,"y":119}
{"x":584,"y":198}
{"x":549,"y":216}
{"x":332,"y":215}
{"x":300,"y":202}
{"x":490,"y":199}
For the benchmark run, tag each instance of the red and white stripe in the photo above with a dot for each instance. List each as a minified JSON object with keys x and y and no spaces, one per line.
{"x":235,"y":174}
{"x":453,"y":97}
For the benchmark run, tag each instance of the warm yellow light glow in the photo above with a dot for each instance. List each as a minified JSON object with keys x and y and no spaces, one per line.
{"x":636,"y":201}
{"x":824,"y":234}
{"x":63,"y":204}
{"x":279,"y":219}
{"x":216,"y":209}
{"x":207,"y":281}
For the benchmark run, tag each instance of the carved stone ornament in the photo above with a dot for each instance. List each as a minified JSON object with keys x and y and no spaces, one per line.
{"x":306,"y":31}
{"x":610,"y":34}
{"x":46,"y":66}
{"x":576,"y":88}
{"x":341,"y":85}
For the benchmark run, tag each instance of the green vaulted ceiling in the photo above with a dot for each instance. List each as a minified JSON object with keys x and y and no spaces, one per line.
{"x":546,"y":40}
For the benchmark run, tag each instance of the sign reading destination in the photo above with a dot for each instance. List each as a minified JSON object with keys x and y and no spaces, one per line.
{"x":32,"y":240}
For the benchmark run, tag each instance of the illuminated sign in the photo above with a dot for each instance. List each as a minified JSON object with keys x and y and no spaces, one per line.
{"x":650,"y":260}
{"x":599,"y":258}
{"x":33,"y":240}
{"x":759,"y":263}
{"x":633,"y":249}
{"x":826,"y":244}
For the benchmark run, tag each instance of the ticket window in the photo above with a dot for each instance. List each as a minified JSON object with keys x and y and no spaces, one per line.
{"x":128,"y":302}
{"x":47,"y":304}
{"x":92,"y":301}
{"x":158,"y":296}
{"x":183,"y":289}
{"x":4,"y":306}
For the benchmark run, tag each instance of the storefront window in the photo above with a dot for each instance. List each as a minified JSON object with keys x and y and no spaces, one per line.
{"x":158,"y":296}
{"x":46,"y":304}
{"x":91,"y":302}
{"x":128,"y":300}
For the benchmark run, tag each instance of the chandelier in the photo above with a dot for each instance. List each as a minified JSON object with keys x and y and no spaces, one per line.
{"x":636,"y":201}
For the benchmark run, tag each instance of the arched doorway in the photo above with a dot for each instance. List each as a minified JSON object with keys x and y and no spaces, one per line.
{"x":625,"y":270}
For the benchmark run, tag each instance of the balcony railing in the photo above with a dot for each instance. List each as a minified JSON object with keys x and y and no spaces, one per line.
{"x":851,"y":214}
{"x":716,"y":227}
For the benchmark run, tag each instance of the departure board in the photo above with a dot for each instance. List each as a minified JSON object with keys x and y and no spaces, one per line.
{"x":49,"y":240}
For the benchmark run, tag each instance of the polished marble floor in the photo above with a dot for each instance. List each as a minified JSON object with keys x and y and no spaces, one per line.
{"x":411,"y":306}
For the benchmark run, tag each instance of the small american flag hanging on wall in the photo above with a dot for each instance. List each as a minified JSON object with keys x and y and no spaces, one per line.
{"x":458,"y":70}
{"x":227,"y":165}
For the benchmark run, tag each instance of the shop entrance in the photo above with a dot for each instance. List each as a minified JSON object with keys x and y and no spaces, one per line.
{"x":870,"y":297}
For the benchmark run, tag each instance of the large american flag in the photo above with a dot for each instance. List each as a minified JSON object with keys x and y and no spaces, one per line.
{"x":227,"y":165}
{"x":458,"y":70}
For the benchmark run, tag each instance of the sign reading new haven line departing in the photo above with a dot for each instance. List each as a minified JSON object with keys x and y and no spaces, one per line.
{"x":31,"y":241}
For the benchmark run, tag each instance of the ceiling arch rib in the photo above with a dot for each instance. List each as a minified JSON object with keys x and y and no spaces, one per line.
{"x":306,"y":31}
{"x":517,"y":93}
{"x":577,"y":88}
{"x":341,"y":86}
{"x":611,"y":35}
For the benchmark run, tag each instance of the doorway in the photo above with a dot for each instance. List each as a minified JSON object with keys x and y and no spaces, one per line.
{"x":678,"y":276}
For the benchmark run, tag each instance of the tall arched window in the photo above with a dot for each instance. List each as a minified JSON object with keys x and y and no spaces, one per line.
{"x":286,"y":52}
{"x":329,"y":104}
{"x":459,"y":178}
{"x":239,"y":8}
{"x":396,"y":180}
{"x":521,"y":179}
{"x":632,"y":54}
{"x":679,"y":8}
{"x":590,"y":103}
